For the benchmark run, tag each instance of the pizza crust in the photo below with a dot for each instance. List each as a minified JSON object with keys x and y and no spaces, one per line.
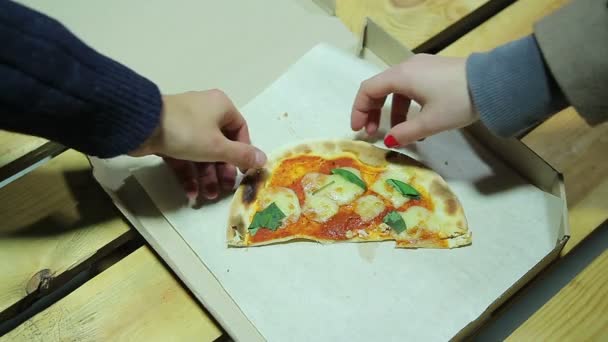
{"x":453,"y":228}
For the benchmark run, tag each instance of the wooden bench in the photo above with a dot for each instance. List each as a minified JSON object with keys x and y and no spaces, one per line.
{"x":62,"y":222}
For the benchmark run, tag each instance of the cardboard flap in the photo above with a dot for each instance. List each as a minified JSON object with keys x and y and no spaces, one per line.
{"x":328,"y":6}
{"x":382,"y":44}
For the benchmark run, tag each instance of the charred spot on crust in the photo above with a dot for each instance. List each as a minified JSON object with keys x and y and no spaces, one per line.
{"x":251,"y":184}
{"x":401,"y":159}
{"x":237,"y":223}
{"x":440,"y":190}
{"x":451,"y":206}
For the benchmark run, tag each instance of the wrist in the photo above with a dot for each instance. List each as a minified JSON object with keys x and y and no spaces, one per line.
{"x":153,"y":143}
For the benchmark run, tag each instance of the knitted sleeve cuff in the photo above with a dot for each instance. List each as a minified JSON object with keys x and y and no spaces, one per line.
{"x":55,"y":86}
{"x":511,"y":87}
{"x":128,"y":110}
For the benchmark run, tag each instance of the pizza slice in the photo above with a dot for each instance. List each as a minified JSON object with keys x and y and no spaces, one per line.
{"x":346,"y":191}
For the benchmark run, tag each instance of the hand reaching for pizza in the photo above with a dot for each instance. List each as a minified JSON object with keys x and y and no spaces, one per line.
{"x":437,"y":83}
{"x":202,"y":137}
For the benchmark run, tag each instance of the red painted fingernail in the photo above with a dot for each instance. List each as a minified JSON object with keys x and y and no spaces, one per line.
{"x":390,"y":141}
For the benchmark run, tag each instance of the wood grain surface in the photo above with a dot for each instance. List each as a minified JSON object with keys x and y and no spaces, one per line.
{"x":14,"y":146}
{"x":413,"y":22}
{"x":577,"y":313}
{"x":53,"y":219}
{"x":136,"y":299}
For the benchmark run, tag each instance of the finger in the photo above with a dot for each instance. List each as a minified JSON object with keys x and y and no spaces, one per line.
{"x":370,"y":98}
{"x":226,"y":175}
{"x":242,"y":155}
{"x":415,"y":128}
{"x":373,"y":121}
{"x":399,"y":109}
{"x":234,"y":126}
{"x":186,"y":175}
{"x":209,"y":187}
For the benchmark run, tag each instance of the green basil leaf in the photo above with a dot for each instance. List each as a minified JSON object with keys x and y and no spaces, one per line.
{"x":323,"y":187}
{"x":349,"y":176}
{"x":404,"y":188}
{"x":270,"y":218}
{"x":395,"y":221}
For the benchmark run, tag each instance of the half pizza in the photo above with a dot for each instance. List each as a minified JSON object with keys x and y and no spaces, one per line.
{"x":346,"y":191}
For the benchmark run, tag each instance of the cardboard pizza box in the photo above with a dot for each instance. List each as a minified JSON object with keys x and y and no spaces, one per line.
{"x":245,"y":48}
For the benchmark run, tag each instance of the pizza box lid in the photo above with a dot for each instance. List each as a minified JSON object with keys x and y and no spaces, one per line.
{"x":191,"y":46}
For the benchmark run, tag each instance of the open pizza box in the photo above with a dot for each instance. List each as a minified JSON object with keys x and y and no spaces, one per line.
{"x":293,"y":71}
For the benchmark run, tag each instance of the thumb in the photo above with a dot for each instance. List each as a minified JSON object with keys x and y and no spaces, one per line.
{"x":242,"y":155}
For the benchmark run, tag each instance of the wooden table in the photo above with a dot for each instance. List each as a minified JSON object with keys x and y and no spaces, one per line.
{"x":58,"y":225}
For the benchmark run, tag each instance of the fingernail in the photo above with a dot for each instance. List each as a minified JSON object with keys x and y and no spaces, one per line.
{"x":191,"y":198}
{"x":191,"y":188}
{"x":260,"y":158}
{"x":390,"y":141}
{"x":212,"y":191}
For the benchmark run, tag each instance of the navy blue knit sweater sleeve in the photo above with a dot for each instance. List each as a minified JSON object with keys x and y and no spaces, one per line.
{"x":55,"y":86}
{"x":511,"y":87}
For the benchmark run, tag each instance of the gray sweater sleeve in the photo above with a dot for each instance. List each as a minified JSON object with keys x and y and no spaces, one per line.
{"x":511,"y":87}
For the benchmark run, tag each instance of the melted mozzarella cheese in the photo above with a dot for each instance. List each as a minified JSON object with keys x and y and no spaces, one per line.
{"x":382,"y":188}
{"x":286,"y":199}
{"x":320,"y":208}
{"x":314,"y":181}
{"x":368,"y":207}
{"x":343,"y":191}
{"x":325,"y":193}
{"x":416,"y":217}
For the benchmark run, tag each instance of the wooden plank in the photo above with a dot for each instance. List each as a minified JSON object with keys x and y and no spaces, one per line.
{"x":54,"y":218}
{"x":587,"y":214}
{"x":20,"y":154}
{"x":565,"y":140}
{"x":412,"y":22}
{"x":14,"y":146}
{"x":135,"y":299}
{"x":514,"y":22}
{"x":576,"y":313}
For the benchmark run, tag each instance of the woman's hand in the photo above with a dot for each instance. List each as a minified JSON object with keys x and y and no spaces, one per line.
{"x":437,"y":83}
{"x":202,"y":137}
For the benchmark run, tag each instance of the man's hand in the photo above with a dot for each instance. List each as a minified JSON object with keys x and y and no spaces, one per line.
{"x":202,"y":137}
